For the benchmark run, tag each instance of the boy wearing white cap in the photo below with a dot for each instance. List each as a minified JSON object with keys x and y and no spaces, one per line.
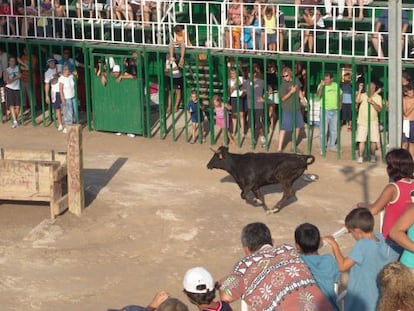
{"x":199,"y":286}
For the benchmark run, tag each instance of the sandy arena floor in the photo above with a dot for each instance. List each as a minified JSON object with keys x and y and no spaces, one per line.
{"x":153,"y":211}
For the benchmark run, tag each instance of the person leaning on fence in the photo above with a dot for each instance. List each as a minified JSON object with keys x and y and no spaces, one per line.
{"x":364,"y":262}
{"x":346,"y":111}
{"x":51,"y":86}
{"x":395,"y":198}
{"x":323,"y":267}
{"x":180,"y":41}
{"x":271,"y":277}
{"x":369,"y":105}
{"x":408,"y":119}
{"x":200,"y":289}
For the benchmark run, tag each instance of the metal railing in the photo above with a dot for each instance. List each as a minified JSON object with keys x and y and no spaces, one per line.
{"x":203,"y":22}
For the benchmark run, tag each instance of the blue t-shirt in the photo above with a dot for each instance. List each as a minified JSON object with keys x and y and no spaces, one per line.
{"x":346,"y":93}
{"x":195,"y":111}
{"x":326,"y":273}
{"x":363,"y":290}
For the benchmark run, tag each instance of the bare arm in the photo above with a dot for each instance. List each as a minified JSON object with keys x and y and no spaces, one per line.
{"x":399,"y":231}
{"x":344,"y":263}
{"x":386,"y":196}
{"x":47,"y":88}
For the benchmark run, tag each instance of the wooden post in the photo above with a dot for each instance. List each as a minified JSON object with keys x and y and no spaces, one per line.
{"x":76,"y":194}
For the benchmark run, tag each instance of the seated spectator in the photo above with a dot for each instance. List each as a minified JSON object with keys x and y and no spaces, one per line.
{"x":311,"y":22}
{"x":60,"y":15}
{"x":123,"y":10}
{"x":365,"y":261}
{"x":25,"y":19}
{"x":7,"y":22}
{"x":323,"y":267}
{"x":263,"y":278}
{"x":328,"y":8}
{"x":200,"y":288}
{"x":85,"y":6}
{"x":160,"y":302}
{"x":360,"y":3}
{"x":236,"y":11}
{"x":150,"y":8}
{"x":397,"y":288}
{"x":381,"y":32}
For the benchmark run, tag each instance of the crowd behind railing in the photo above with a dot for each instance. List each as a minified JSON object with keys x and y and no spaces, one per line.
{"x":230,"y":25}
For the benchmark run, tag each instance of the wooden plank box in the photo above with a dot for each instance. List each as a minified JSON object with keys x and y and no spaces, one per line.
{"x":34,"y":180}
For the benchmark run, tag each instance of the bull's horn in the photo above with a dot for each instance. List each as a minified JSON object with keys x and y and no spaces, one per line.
{"x":215,"y":151}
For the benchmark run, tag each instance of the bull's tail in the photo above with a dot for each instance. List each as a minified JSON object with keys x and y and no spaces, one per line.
{"x":310,"y":159}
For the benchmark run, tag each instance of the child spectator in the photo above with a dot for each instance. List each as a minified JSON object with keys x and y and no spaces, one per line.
{"x":221,"y":121}
{"x":237,"y":101}
{"x":408,"y":116}
{"x":366,"y":259}
{"x":11,"y":78}
{"x":194,"y":107}
{"x":233,"y":31}
{"x":397,"y":288}
{"x":346,"y":112}
{"x":6,"y":19}
{"x":368,"y":123}
{"x":199,"y":286}
{"x":269,"y":23}
{"x":396,"y":196}
{"x":323,"y":267}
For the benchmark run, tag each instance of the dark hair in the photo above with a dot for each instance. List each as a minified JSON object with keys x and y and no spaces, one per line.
{"x":308,"y":237}
{"x":360,"y":218}
{"x":178,"y":28}
{"x":399,"y":164}
{"x":255,"y":235}
{"x":172,"y":304}
{"x":329,"y":74}
{"x":201,"y":298}
{"x":408,"y":87}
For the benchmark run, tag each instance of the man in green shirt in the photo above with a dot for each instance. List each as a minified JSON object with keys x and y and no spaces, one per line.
{"x":331,"y":102}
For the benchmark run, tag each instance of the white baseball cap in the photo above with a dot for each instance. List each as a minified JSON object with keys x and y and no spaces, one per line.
{"x":198,"y":281}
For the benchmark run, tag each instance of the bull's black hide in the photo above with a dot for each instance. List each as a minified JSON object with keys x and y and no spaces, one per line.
{"x":254,"y":170}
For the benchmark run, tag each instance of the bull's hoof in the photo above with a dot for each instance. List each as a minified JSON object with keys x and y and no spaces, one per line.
{"x":273,"y":211}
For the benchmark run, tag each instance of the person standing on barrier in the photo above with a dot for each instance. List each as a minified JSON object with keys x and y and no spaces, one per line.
{"x":67,"y":96}
{"x":331,"y":99}
{"x":291,"y":97}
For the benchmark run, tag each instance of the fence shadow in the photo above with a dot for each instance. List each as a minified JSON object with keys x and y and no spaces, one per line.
{"x":96,"y":179}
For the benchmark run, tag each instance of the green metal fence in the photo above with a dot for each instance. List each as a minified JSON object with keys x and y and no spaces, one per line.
{"x":131,"y":105}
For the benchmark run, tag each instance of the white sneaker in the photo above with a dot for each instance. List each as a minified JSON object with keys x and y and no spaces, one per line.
{"x":373,"y":159}
{"x":360,"y":160}
{"x":90,"y":21}
{"x":339,"y":17}
{"x":118,"y":134}
{"x":60,"y":128}
{"x":131,"y":135}
{"x":98,"y":21}
{"x":116,"y":24}
{"x":65,"y":131}
{"x":412,"y":52}
{"x":327,"y":16}
{"x":15,"y":124}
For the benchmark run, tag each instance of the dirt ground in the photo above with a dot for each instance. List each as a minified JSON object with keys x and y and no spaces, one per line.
{"x":153,"y":211}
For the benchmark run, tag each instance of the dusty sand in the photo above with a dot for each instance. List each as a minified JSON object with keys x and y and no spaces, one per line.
{"x":153,"y":211}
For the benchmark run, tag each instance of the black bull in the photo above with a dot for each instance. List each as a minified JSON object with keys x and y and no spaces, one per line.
{"x":252,"y":171}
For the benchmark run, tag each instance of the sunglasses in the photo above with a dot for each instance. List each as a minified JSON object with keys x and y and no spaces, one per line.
{"x":285,"y":76}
